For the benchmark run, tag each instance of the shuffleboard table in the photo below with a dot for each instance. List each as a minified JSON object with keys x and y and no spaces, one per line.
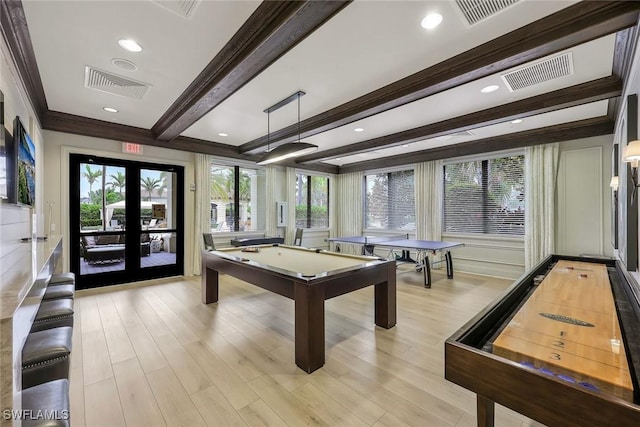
{"x":309,"y":277}
{"x":561,"y":346}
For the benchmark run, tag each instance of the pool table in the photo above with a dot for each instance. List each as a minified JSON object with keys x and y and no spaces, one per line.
{"x":309,"y":277}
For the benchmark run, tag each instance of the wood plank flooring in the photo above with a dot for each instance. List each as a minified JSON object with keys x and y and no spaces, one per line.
{"x":153,"y":354}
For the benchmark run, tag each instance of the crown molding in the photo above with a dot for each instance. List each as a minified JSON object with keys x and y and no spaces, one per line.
{"x":78,"y":125}
{"x":15,"y":32}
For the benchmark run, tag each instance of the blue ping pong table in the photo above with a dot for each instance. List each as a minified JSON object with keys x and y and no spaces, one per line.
{"x":405,"y":245}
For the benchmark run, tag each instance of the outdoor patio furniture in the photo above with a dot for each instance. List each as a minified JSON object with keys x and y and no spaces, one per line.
{"x":104,"y":254}
{"x":109,"y":248}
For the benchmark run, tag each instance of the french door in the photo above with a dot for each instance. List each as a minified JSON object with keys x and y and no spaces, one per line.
{"x":126,"y":220}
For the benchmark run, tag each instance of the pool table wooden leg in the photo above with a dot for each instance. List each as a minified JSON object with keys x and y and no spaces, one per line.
{"x":385,"y":300}
{"x":209,"y":284}
{"x":309,"y":326}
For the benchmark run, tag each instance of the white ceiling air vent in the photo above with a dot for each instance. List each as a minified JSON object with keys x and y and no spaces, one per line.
{"x":540,"y":72}
{"x":453,"y":135}
{"x":112,"y":83}
{"x":475,"y":11}
{"x":183,"y":8}
{"x":463,"y":133}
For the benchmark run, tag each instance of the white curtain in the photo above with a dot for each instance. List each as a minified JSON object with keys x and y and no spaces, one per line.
{"x":428,"y":178}
{"x":349,"y":207}
{"x":541,"y":171}
{"x":333,"y":183}
{"x":270,"y":201}
{"x":291,"y":202}
{"x":202,"y":211}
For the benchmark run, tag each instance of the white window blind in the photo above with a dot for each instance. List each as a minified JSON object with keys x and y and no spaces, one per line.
{"x":389,"y":201}
{"x":485,"y":196}
{"x":236,"y":202}
{"x":312,"y":201}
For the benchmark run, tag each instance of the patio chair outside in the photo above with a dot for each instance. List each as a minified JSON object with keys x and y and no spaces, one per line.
{"x":208,"y":241}
{"x":297,"y":240}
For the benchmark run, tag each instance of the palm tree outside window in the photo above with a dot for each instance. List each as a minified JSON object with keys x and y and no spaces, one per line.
{"x":148,"y":184}
{"x":234,"y":194}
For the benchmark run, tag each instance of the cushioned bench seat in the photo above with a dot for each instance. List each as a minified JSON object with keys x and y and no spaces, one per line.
{"x":53,"y":314}
{"x":48,"y":400}
{"x":62,"y":279}
{"x":45,"y":356}
{"x":58,"y":291}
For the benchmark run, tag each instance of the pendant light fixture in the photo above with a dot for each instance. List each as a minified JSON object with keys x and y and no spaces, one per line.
{"x":289,"y":149}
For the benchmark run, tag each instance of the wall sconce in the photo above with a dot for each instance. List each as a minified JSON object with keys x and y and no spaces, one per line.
{"x":632,"y":155}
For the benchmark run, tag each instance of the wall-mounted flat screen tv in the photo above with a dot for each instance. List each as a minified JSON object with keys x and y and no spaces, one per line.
{"x":3,"y":153}
{"x":23,"y":161}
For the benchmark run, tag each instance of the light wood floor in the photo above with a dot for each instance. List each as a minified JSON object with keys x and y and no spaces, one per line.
{"x":155,"y":355}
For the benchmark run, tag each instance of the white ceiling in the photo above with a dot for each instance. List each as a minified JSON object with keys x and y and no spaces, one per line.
{"x":365,"y":46}
{"x":67,"y":35}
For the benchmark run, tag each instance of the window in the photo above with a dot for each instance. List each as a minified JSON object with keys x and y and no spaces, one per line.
{"x":485,"y":196}
{"x":312,"y":201}
{"x":236,"y":204}
{"x":390,"y":201}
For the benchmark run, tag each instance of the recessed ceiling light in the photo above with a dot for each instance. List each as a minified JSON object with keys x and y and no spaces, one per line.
{"x":110,"y":109}
{"x":489,"y":89}
{"x":222,"y":134}
{"x":130,"y":45}
{"x":516,"y":121}
{"x":358,"y":130}
{"x":431,"y":21}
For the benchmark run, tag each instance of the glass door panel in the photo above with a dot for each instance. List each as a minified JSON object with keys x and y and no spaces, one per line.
{"x":102,"y":220}
{"x":158,"y":208}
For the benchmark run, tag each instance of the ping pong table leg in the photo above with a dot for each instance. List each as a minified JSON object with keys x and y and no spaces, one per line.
{"x":426,"y":270}
{"x":449,"y":262}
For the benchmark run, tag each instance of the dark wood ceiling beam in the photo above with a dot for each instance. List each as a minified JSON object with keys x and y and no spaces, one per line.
{"x":15,"y":32}
{"x":577,"y":24}
{"x":563,"y":132}
{"x":595,"y":90}
{"x":78,"y":125}
{"x":623,"y":54}
{"x":272,"y":30}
